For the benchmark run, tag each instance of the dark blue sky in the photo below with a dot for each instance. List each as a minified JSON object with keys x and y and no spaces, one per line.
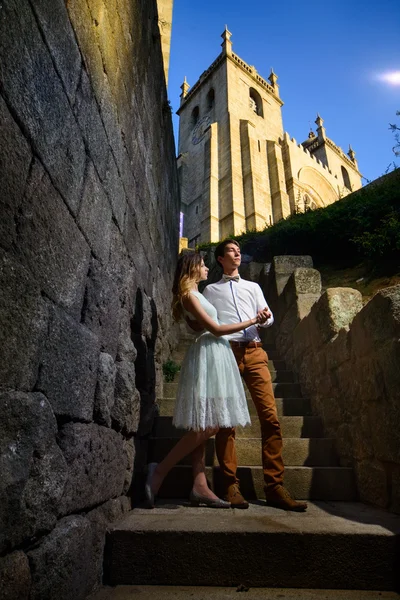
{"x":328,"y":57}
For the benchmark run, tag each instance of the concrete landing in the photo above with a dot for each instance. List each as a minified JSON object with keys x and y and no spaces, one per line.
{"x":332,"y":545}
{"x":158,"y":592}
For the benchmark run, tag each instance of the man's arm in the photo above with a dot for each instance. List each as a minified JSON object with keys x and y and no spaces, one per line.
{"x":263,"y":307}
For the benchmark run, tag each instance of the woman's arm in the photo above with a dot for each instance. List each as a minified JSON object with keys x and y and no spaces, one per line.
{"x":192,"y":305}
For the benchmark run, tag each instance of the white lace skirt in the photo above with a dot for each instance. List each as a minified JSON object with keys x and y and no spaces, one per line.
{"x":210,"y":391}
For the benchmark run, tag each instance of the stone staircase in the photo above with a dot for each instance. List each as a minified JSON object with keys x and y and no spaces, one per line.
{"x":337,"y":543}
{"x":311,"y":465}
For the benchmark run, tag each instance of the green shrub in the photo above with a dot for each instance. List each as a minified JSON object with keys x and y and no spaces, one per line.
{"x":365,"y":224}
{"x":170,"y":369}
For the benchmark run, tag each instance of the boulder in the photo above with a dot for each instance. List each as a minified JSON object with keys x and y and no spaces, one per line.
{"x":95,"y":465}
{"x":23,"y":324}
{"x":69,"y":365}
{"x":125,"y":413}
{"x":33,"y":467}
{"x":64,"y":566}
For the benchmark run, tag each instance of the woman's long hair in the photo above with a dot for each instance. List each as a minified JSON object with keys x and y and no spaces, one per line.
{"x":187,"y":274}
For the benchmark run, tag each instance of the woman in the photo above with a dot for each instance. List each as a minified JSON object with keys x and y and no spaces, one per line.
{"x":210,"y":391}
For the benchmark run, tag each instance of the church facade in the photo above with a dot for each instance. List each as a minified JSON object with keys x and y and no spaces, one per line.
{"x":238,"y":169}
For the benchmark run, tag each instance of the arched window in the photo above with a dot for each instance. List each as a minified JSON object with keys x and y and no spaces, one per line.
{"x":255,"y":102}
{"x":195,"y":115}
{"x":210,"y":99}
{"x":346,"y":178}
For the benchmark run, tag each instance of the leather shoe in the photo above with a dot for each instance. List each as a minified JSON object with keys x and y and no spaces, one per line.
{"x":279,"y":497}
{"x":234,"y":496}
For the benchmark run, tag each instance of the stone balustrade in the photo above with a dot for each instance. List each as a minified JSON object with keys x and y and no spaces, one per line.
{"x":347,"y":359}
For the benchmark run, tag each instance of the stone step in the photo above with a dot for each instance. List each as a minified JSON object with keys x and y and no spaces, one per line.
{"x":292,"y":427}
{"x":277,"y":377}
{"x":173,"y":592}
{"x":285,"y":406}
{"x":315,"y":452}
{"x":281,"y":390}
{"x":332,"y":545}
{"x":316,"y":483}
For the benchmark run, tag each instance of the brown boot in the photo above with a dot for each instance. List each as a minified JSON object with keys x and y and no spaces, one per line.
{"x":234,"y":496}
{"x":279,"y":497}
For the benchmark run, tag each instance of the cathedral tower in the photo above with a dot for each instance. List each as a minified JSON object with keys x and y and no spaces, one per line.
{"x":238,"y":170}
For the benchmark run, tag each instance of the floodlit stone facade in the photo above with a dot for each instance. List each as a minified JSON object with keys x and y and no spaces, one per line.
{"x":238,"y":169}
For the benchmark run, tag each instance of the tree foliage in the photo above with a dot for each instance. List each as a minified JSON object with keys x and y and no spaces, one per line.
{"x":365,"y":224}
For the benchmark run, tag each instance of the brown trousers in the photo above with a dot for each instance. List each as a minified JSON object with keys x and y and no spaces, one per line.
{"x":253,"y":366}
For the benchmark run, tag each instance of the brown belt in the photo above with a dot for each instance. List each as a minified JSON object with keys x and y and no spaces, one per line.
{"x":251,"y":344}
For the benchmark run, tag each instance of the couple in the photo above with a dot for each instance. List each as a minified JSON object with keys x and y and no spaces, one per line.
{"x":210,"y":398}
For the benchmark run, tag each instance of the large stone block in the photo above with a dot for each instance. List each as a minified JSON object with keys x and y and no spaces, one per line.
{"x":385,"y":433}
{"x":23,"y":321}
{"x":15,"y":159}
{"x":125,"y":413}
{"x":88,"y":116}
{"x":100,"y":519}
{"x":129,"y":451}
{"x":126,"y":349}
{"x":338,"y":349}
{"x":388,"y":357}
{"x":115,"y":191}
{"x":85,"y":30}
{"x":378,"y":323}
{"x":301,"y":292}
{"x":96,"y":468}
{"x":395,"y":499}
{"x":15,"y":577}
{"x":69,"y":364}
{"x":252,"y":271}
{"x":32,"y":466}
{"x":63,"y":566}
{"x":60,"y":40}
{"x":336,"y":309}
{"x":284,"y":266}
{"x":37,"y":97}
{"x":51,"y":244}
{"x":102,"y":306}
{"x":302,"y":289}
{"x":372,"y":482}
{"x":94,"y":217}
{"x":104,"y":396}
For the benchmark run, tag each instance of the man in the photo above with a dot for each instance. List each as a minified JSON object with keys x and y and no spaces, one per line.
{"x":237,"y":299}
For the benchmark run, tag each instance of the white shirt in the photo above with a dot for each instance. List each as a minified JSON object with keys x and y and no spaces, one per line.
{"x":237,"y":301}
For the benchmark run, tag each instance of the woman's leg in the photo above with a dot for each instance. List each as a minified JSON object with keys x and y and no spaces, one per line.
{"x":182,"y":448}
{"x":200,"y":484}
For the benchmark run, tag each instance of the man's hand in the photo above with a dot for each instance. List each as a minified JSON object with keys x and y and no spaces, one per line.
{"x":263,"y":316}
{"x":194,"y":325}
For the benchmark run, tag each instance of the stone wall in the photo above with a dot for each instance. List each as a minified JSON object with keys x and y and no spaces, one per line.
{"x":88,"y":242}
{"x":347,"y":359}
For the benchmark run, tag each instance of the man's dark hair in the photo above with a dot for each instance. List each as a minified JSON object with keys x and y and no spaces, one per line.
{"x":220,"y":249}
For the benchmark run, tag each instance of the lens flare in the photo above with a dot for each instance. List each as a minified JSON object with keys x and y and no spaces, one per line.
{"x":392,"y":78}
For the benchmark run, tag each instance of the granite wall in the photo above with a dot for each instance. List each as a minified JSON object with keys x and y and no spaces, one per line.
{"x":88,"y":243}
{"x":347,"y":359}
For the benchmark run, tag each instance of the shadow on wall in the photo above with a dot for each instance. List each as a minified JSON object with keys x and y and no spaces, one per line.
{"x":144,"y":330}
